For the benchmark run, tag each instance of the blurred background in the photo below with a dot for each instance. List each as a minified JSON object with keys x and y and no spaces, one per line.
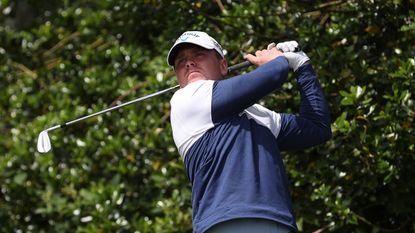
{"x":120,"y":172}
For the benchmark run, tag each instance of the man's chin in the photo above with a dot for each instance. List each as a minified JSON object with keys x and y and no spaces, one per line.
{"x":195,"y":76}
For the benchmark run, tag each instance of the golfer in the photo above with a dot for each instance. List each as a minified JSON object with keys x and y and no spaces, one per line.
{"x":230,"y":145}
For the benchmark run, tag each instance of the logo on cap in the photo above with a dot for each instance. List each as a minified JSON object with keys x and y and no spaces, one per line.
{"x":186,"y":36}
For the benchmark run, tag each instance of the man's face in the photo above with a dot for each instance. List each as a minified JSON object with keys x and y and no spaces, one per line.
{"x":193,"y":63}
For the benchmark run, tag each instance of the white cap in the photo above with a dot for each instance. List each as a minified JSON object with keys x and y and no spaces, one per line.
{"x":199,"y":38}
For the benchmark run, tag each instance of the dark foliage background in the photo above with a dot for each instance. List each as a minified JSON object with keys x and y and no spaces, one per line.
{"x":120,"y":172}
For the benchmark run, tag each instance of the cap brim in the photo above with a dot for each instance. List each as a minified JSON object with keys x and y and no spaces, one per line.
{"x":173,"y":51}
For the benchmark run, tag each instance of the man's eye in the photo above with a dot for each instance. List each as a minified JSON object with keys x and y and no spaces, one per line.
{"x":179,"y":61}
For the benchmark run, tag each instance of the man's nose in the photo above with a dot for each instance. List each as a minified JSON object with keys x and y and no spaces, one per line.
{"x":190,"y":63}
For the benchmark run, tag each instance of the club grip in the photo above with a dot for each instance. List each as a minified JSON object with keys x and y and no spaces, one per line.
{"x":239,"y":66}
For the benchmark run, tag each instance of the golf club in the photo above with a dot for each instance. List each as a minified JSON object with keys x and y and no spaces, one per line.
{"x":43,"y":142}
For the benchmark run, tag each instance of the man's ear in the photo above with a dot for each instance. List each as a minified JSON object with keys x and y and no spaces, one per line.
{"x":223,"y":67}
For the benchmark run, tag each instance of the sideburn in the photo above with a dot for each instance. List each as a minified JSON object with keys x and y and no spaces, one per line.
{"x":223,"y":66}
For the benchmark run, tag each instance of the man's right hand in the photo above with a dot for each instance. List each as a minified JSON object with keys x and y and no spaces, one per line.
{"x":263,"y":56}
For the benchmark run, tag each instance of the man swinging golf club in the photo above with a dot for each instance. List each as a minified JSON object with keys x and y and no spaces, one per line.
{"x":230,"y":145}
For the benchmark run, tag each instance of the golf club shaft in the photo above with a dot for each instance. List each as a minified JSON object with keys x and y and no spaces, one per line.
{"x":230,"y":69}
{"x":115,"y":107}
{"x":239,"y":66}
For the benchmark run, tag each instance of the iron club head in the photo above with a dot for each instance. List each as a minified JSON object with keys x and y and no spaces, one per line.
{"x":43,"y":142}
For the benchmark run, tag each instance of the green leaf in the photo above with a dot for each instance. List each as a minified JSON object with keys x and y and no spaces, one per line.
{"x":20,"y":178}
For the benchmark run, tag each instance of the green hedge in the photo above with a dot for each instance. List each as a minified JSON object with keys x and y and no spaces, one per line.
{"x":120,"y":172}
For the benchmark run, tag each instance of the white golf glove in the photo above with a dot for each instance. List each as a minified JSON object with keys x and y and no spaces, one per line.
{"x":291,"y":51}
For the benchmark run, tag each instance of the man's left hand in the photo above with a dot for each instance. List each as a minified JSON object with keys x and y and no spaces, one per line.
{"x":294,"y":55}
